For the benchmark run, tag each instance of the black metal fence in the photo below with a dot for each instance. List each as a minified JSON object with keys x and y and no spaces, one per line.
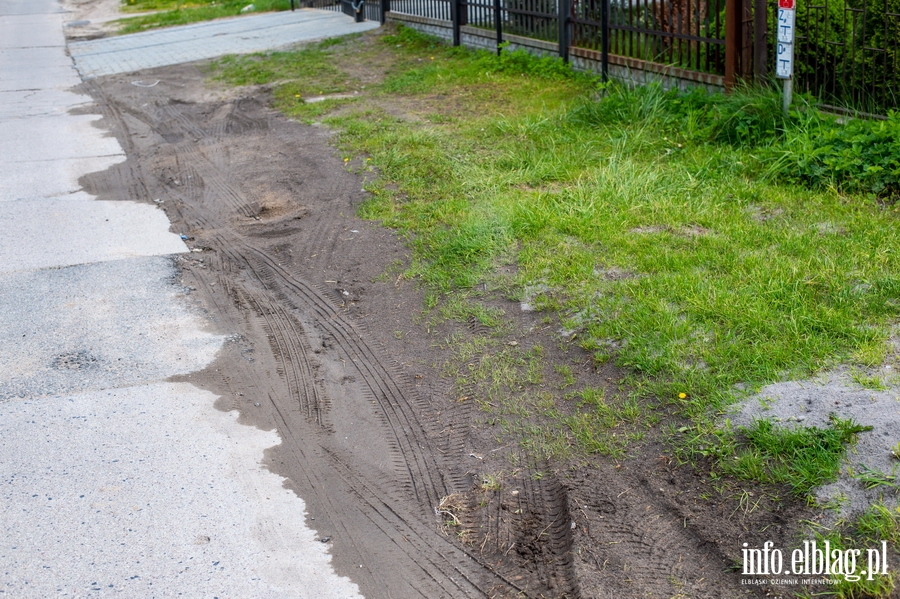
{"x":846,"y":51}
{"x":688,"y":34}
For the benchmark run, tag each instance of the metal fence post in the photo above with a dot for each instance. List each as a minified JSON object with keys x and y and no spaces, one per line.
{"x":604,"y":39}
{"x":565,"y":7}
{"x":385,"y":9}
{"x":499,"y":25}
{"x":732,"y":42}
{"x":455,"y":9}
{"x":760,"y":40}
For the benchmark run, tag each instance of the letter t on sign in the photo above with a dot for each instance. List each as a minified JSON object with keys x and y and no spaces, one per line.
{"x":784,"y":50}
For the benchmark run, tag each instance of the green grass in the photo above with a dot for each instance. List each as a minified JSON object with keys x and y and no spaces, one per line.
{"x":318,"y":77}
{"x":181,"y":12}
{"x":658,"y":225}
{"x":801,"y":457}
{"x":867,"y":531}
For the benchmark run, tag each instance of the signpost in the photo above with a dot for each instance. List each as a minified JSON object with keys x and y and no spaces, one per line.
{"x":784,"y":52}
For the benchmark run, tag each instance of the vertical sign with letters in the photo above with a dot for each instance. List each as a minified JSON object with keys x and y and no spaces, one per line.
{"x":784,"y":53}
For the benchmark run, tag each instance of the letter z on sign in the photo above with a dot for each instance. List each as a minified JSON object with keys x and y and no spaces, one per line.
{"x":784,"y":54}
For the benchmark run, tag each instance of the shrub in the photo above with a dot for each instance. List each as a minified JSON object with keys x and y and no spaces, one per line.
{"x":859,"y":156}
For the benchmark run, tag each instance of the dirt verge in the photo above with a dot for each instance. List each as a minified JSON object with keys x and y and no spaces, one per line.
{"x":91,"y":19}
{"x":418,"y":490}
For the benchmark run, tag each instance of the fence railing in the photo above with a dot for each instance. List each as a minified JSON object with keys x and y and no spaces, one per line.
{"x":686,"y":34}
{"x":371,"y":10}
{"x":847,"y":52}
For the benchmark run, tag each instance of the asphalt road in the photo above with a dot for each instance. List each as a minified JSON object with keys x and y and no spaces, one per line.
{"x":114,"y":481}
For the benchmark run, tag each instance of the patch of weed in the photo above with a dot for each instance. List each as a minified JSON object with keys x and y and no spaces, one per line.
{"x":857,"y":156}
{"x":317,"y":76}
{"x":600,"y":425}
{"x":800,"y":457}
{"x":877,"y":524}
{"x":867,"y":381}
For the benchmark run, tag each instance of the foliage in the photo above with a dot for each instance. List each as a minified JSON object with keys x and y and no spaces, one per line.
{"x":802,"y":457}
{"x":805,"y":146}
{"x":748,"y":117}
{"x":846,"y":52}
{"x":859,"y":156}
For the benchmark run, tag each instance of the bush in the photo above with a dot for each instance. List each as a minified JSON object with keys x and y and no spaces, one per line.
{"x":806,"y":146}
{"x":859,"y":156}
{"x":748,"y":117}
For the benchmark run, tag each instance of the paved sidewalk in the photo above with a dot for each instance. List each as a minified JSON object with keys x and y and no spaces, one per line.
{"x":239,"y":35}
{"x":115,"y":481}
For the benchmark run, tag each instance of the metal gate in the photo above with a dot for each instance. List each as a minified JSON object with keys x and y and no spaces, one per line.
{"x":361,"y":10}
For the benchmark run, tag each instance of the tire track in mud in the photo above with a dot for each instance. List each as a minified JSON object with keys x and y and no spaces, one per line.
{"x":381,"y":383}
{"x":287,"y":338}
{"x":395,"y":519}
{"x":521,"y":524}
{"x":321,"y":372}
{"x":640,"y":540}
{"x":405,"y":529}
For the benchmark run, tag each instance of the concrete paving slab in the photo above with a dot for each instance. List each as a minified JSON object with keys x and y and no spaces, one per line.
{"x":29,"y":7}
{"x":149,"y":492}
{"x":95,"y":326}
{"x":52,"y":138}
{"x":37,"y":56}
{"x":39,"y":103}
{"x":56,"y":232}
{"x":240,"y":35}
{"x":48,"y":178}
{"x":27,"y":31}
{"x":15,"y":77}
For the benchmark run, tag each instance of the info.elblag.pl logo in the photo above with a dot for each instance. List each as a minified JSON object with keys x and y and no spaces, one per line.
{"x":816,"y":559}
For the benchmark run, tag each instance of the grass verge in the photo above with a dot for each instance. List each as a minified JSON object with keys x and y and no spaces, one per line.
{"x":656,"y":243}
{"x":877,"y":525}
{"x":182,"y":12}
{"x":667,"y":231}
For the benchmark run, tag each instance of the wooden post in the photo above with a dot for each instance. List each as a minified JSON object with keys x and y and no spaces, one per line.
{"x":732,"y":42}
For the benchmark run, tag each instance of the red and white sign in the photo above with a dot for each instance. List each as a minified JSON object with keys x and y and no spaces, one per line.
{"x":784,"y":52}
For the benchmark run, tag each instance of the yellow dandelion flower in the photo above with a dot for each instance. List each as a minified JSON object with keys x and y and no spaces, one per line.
{"x":682,"y":395}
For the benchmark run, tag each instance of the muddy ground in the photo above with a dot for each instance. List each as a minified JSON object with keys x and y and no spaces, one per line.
{"x":413,"y":485}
